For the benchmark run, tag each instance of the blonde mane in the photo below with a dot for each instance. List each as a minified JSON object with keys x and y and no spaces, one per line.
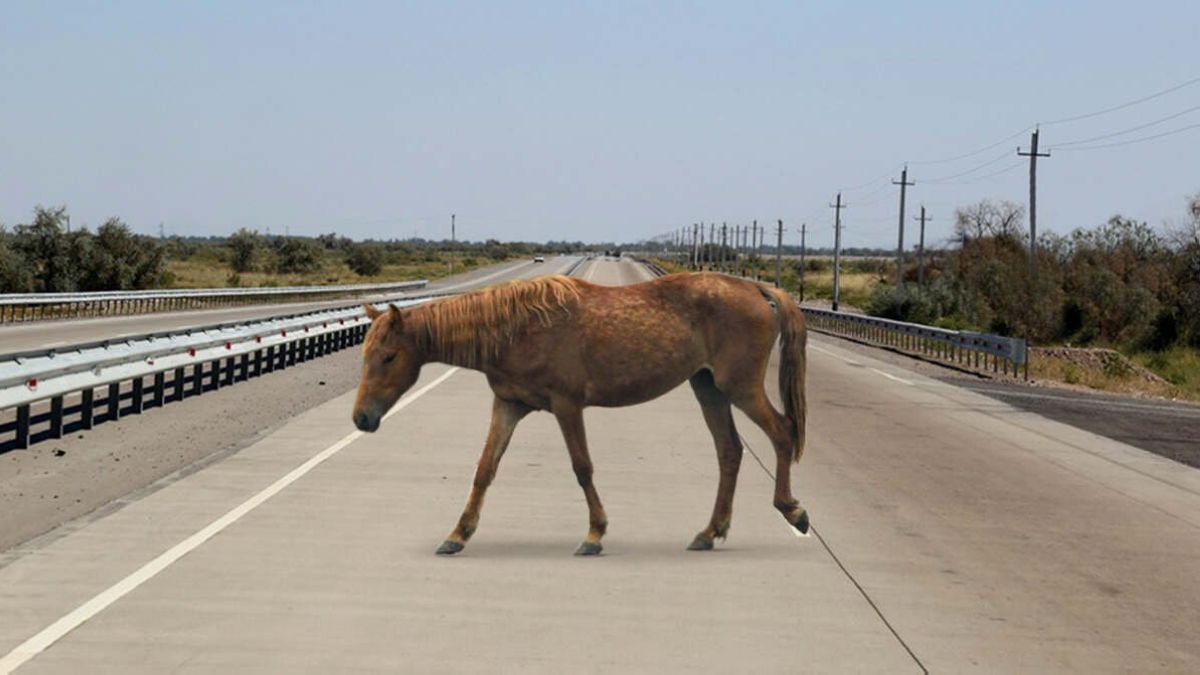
{"x":472,"y":329}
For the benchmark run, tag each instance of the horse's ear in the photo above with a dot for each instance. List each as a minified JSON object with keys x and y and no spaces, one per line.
{"x":394,"y":312}
{"x":372,"y":313}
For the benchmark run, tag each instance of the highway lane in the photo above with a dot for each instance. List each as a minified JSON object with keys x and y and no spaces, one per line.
{"x":955,"y":532}
{"x":45,"y":334}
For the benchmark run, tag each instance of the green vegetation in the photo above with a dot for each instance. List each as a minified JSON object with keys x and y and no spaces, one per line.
{"x":46,"y":256}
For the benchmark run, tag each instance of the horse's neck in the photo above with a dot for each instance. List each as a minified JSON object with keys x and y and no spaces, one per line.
{"x":457,"y":344}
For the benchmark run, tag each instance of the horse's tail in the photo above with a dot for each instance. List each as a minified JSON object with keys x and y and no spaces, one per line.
{"x":793,"y":339}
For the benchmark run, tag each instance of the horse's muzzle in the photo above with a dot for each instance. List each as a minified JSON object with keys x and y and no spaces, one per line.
{"x":366,"y":422}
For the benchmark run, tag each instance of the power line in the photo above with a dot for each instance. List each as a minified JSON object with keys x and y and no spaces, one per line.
{"x":980,"y":151}
{"x":1126,"y":131}
{"x":971,"y":170}
{"x":1132,"y":141}
{"x":883,"y":177}
{"x":1122,"y":106}
{"x":977,"y":179}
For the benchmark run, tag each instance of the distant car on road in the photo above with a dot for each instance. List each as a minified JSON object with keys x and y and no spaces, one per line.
{"x":539,"y":258}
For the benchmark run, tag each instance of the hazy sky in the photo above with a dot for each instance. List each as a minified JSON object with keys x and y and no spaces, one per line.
{"x":594,"y":121}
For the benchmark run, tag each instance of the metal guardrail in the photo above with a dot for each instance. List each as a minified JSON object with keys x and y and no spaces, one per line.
{"x":20,"y":307}
{"x":979,"y":351}
{"x":151,"y":371}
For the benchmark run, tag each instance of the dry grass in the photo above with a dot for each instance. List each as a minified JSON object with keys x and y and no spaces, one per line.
{"x":1106,"y":370}
{"x":205,"y":273}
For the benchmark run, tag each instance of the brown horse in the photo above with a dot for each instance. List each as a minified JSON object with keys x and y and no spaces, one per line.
{"x":561,"y":344}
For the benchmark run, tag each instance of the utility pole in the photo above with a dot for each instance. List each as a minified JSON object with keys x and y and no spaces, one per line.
{"x":453,"y":235}
{"x":1033,"y":154}
{"x":837,"y":248}
{"x":762,"y":231}
{"x":712,"y":243}
{"x":742,"y":250}
{"x":779,"y":254}
{"x":921,"y":249}
{"x":695,"y":245}
{"x":903,"y":183}
{"x":724,"y":239}
{"x":803,"y":235}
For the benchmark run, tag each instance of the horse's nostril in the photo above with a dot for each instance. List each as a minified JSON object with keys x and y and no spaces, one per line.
{"x":362,"y":422}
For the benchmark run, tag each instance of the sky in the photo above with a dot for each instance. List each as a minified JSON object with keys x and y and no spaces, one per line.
{"x":605,"y":121}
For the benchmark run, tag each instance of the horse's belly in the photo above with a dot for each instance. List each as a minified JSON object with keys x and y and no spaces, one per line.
{"x":636,"y":376}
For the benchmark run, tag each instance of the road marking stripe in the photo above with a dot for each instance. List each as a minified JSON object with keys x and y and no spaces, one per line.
{"x":55,"y":631}
{"x":836,"y":356}
{"x":890,"y":376}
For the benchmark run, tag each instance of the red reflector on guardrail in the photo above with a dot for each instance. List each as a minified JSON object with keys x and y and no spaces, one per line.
{"x":191,"y":351}
{"x":228,"y":345}
{"x":283,"y":333}
{"x":32,"y":383}
{"x":258,"y":339}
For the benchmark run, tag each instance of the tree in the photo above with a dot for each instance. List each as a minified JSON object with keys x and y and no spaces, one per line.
{"x":989,"y":219}
{"x":296,"y":255}
{"x":247,"y":246}
{"x":366,"y":259}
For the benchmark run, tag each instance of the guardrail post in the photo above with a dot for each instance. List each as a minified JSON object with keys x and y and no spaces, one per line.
{"x":229,"y":363}
{"x":244,"y":365}
{"x":22,"y":429}
{"x":87,"y":408}
{"x":56,"y":417}
{"x":177,"y":385}
{"x":114,"y":402}
{"x":158,"y":396}
{"x":136,"y":398}
{"x":197,"y":383}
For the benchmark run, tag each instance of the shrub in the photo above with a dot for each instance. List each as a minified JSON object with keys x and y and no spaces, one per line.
{"x":247,"y":247}
{"x":366,"y":259}
{"x":295,"y":255}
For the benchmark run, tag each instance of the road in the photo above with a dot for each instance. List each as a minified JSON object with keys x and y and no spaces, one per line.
{"x":953,"y":532}
{"x":44,"y":334}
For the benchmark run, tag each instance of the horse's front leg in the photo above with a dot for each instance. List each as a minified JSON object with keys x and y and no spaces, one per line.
{"x":505,"y":415}
{"x":570,"y":420}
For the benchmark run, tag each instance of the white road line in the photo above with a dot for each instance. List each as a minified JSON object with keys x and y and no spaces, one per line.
{"x":852,"y":362}
{"x":483,"y":278}
{"x":836,"y":356}
{"x":890,"y":376}
{"x":55,"y":631}
{"x":591,"y":270}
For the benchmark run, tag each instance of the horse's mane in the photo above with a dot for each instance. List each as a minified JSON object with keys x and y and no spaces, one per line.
{"x":472,"y":329}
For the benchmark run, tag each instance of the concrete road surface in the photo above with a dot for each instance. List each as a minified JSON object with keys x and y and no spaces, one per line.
{"x":954,"y":532}
{"x":44,"y":334}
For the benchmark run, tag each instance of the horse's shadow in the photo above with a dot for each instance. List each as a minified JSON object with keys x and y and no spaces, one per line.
{"x":543,"y":550}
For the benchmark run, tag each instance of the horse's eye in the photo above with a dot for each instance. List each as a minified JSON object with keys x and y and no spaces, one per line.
{"x":389,"y":358}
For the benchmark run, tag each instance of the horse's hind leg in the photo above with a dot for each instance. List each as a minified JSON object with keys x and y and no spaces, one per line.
{"x":753,"y":401}
{"x":718,"y":415}
{"x":505,"y":415}
{"x":570,"y":420}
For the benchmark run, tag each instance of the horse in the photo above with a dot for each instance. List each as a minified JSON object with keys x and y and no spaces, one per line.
{"x":561,"y":344}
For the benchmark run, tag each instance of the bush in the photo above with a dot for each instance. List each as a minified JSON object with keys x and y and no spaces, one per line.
{"x":294,"y":255}
{"x":366,"y":259}
{"x":247,"y":246}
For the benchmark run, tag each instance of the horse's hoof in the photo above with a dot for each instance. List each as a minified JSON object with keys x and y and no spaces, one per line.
{"x":700,"y":543}
{"x":450,"y":547}
{"x":589,"y":548}
{"x":800,"y":522}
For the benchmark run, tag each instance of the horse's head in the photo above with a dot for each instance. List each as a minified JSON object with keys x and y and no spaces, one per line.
{"x":391,"y":363}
